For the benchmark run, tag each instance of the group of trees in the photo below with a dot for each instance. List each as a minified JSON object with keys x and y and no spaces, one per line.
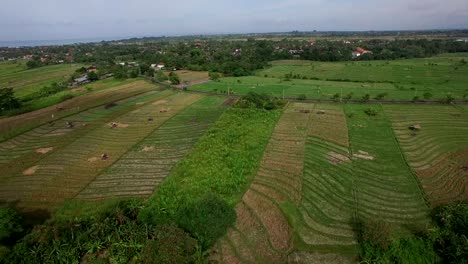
{"x":8,"y":101}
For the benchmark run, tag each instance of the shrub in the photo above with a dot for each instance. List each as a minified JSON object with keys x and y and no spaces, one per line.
{"x":301,"y":97}
{"x":381,"y":96}
{"x":335,"y":97}
{"x":261,"y":101}
{"x":427,"y":95}
{"x":206,"y":219}
{"x":370,"y":112}
{"x":9,"y":223}
{"x":214,"y":76}
{"x":348,"y":96}
{"x":365,"y":98}
{"x":448,"y":99}
{"x":451,"y":242}
{"x":169,"y":244}
{"x":7,"y":100}
{"x":160,"y":76}
{"x":174,"y":78}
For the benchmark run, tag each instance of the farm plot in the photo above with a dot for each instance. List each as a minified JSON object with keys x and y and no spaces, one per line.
{"x":26,"y":81}
{"x":322,"y":221}
{"x":15,"y":125}
{"x":64,"y":173}
{"x":368,"y":179}
{"x":140,"y":170}
{"x":33,"y":145}
{"x":385,"y":186}
{"x":262,"y":233}
{"x":435,"y":142}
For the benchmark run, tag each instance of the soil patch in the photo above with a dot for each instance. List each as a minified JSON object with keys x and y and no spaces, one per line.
{"x":31,"y":170}
{"x":160,"y":102}
{"x":148,"y":148}
{"x":77,"y":90}
{"x":93,"y":159}
{"x":44,"y":150}
{"x":122,"y":125}
{"x":140,"y":103}
{"x":363,"y":155}
{"x":337,"y":159}
{"x":230,"y":101}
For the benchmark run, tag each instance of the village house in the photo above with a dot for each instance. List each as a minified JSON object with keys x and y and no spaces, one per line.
{"x":158,"y":67}
{"x":92,"y":69}
{"x":81,"y":80}
{"x":360,"y":51}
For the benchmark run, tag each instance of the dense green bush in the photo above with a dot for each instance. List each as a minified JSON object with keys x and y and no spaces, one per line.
{"x":206,"y":219}
{"x":169,"y":244}
{"x":9,"y":223}
{"x":261,"y":101}
{"x":444,"y":242}
{"x":452,"y":236}
{"x":377,"y":245}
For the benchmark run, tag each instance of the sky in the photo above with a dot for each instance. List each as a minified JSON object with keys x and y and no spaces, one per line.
{"x":106,"y":19}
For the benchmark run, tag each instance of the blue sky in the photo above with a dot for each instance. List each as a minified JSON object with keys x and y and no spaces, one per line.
{"x":65,"y":19}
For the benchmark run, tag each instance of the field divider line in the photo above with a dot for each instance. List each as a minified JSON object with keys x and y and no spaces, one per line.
{"x":413,"y":172}
{"x":136,"y":143}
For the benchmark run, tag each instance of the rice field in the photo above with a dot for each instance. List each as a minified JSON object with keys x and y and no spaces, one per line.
{"x":422,"y":79}
{"x":262,"y":233}
{"x":437,"y":150}
{"x":65,"y":172}
{"x":25,"y":81}
{"x":15,"y":125}
{"x":146,"y":165}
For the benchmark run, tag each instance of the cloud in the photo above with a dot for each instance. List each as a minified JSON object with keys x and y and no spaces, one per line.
{"x":62,"y":19}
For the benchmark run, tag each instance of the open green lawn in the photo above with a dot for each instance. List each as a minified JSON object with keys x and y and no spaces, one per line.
{"x":26,"y":81}
{"x":427,"y":79}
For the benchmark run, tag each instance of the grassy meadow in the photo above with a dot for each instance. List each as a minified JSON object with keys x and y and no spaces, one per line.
{"x":403,"y":80}
{"x":26,"y":81}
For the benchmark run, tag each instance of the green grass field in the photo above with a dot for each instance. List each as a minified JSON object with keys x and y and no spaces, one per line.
{"x":26,"y":81}
{"x":251,"y":185}
{"x":426,"y":79}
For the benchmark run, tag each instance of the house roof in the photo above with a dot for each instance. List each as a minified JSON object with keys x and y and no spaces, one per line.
{"x":81,"y":79}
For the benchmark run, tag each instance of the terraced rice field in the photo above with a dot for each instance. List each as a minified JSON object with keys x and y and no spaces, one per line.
{"x":24,"y":148}
{"x":25,"y":81}
{"x":438,"y":151}
{"x":367,"y":179}
{"x":327,"y":207}
{"x":15,"y":125}
{"x":312,"y":186}
{"x":68,"y":170}
{"x":262,"y":233}
{"x":141,"y":169}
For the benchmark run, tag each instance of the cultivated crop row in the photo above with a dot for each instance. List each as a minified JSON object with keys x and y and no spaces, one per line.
{"x":141,"y":169}
{"x":64,"y":173}
{"x":262,"y":232}
{"x":436,"y":149}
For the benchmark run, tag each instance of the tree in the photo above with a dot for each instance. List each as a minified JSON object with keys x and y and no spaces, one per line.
{"x":93,"y":76}
{"x":33,"y":64}
{"x":174,"y":78}
{"x":150,"y":72}
{"x":7,"y":100}
{"x":214,"y":76}
{"x":160,"y":76}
